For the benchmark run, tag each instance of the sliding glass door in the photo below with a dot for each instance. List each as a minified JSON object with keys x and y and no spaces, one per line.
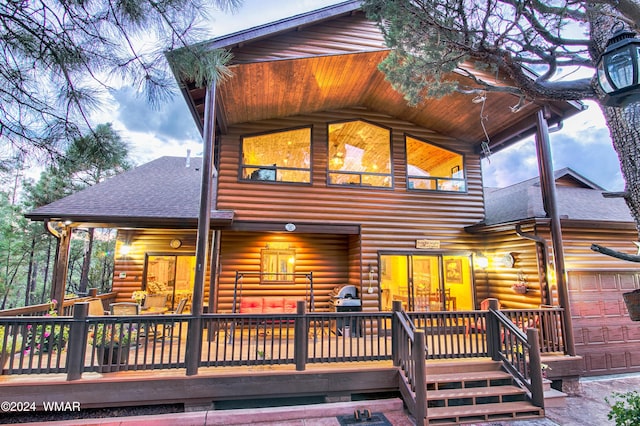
{"x":434,"y":282}
{"x":171,"y":275}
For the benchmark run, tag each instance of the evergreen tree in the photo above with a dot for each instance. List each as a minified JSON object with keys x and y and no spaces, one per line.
{"x":60,"y":57}
{"x":432,"y":38}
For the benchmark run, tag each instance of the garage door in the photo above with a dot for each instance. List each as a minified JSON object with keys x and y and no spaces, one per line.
{"x":605,"y":337}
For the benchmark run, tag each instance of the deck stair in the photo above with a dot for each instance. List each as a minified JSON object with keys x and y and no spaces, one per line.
{"x":475,"y":392}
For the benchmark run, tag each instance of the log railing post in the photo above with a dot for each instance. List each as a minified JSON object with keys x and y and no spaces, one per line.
{"x":419,"y":359}
{"x":395,"y":333}
{"x":77,"y":341}
{"x":301,"y":340}
{"x":535,"y":368}
{"x":493,"y":331}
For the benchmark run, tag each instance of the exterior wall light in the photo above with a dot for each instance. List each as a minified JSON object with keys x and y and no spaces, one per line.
{"x":125,"y":249}
{"x":618,"y":69}
{"x":482,"y":262}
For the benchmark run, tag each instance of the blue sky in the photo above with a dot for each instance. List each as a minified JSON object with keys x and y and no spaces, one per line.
{"x":583,"y":144}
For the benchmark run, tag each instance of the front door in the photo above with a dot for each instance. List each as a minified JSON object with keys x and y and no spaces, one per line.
{"x":435,"y":282}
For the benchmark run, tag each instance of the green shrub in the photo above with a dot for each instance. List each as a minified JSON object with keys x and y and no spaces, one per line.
{"x":625,"y":409}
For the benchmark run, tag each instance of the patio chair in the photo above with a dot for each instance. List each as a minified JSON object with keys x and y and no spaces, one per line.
{"x":124,"y":308}
{"x":154,"y":301}
{"x":169,"y":327}
{"x":96,"y":308}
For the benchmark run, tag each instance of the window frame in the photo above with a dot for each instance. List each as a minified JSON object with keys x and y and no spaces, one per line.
{"x":288,"y":277}
{"x":359,"y":174}
{"x":437,"y":180}
{"x":274,"y":168}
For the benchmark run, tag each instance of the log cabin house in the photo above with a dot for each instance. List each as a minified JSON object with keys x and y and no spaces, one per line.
{"x":319,"y":166}
{"x":317,"y":175}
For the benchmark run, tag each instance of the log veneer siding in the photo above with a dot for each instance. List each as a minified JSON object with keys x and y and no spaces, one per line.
{"x":389,"y":219}
{"x":143,"y":241}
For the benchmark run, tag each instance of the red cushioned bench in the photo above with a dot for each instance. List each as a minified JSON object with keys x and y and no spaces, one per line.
{"x":268,"y":305}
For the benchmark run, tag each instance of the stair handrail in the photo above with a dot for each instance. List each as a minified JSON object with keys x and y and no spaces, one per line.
{"x":518,"y":352}
{"x":410,"y":354}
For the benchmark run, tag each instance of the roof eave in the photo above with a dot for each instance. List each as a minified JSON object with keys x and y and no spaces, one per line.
{"x":283,"y":25}
{"x":218,"y":218}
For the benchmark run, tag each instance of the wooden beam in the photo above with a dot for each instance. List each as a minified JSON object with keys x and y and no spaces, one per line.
{"x":58,"y":285}
{"x":194,"y":339}
{"x":548,"y":187}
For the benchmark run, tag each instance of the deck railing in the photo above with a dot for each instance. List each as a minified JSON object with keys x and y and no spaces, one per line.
{"x":518,"y":352}
{"x":453,"y":334}
{"x":410,"y":356}
{"x":43,"y":309}
{"x":75,"y":345}
{"x":548,"y":321}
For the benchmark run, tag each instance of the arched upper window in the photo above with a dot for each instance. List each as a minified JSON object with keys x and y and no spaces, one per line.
{"x":283,"y":156}
{"x":430,"y":167}
{"x":359,"y":154}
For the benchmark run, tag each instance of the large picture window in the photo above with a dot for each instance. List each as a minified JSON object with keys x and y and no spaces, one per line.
{"x":359,"y":154}
{"x":278,"y":157}
{"x":430,"y":167}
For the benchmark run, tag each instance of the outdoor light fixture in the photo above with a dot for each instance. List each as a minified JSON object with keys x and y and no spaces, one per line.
{"x":482,"y":262}
{"x":125,"y":249}
{"x":618,"y":69}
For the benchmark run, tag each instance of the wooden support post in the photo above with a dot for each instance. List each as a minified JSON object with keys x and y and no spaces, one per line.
{"x":301,"y":336}
{"x":77,"y":341}
{"x":535,"y":368}
{"x":419,"y":358}
{"x":493,"y":331}
{"x":194,"y":332}
{"x":548,"y":188}
{"x":395,"y":333}
{"x":59,"y":284}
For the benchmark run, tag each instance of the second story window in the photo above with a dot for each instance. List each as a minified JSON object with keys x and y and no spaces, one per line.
{"x":278,"y":157}
{"x":433,"y":168}
{"x":359,"y":154}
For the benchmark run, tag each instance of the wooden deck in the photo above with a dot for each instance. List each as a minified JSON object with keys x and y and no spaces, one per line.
{"x":332,"y":356}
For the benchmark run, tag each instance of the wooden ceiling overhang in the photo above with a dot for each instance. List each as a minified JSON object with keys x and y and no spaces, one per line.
{"x":219,"y":219}
{"x":328,"y":60}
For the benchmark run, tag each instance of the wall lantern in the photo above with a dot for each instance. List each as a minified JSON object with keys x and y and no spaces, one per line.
{"x":618,"y":69}
{"x":125,"y":249}
{"x":482,"y":262}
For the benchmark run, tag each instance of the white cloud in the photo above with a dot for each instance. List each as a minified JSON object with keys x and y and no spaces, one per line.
{"x":583,"y":142}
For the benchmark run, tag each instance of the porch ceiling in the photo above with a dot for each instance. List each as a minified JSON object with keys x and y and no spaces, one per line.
{"x":282,"y":88}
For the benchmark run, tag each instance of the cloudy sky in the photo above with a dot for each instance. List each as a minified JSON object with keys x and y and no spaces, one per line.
{"x":583,"y":144}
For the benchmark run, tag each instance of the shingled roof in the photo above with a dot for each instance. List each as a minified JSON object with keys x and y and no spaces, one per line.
{"x":163,"y":192}
{"x":577,"y":198}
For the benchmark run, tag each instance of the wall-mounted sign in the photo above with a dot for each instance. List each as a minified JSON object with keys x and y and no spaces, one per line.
{"x":428,"y":244}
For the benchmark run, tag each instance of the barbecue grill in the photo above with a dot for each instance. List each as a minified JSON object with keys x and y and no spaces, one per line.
{"x":345,"y":299}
